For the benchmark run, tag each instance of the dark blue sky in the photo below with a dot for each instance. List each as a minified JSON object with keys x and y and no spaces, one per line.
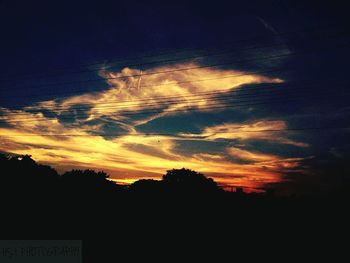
{"x":40,"y":36}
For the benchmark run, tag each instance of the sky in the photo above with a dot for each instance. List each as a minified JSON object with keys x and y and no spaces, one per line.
{"x":250,"y":93}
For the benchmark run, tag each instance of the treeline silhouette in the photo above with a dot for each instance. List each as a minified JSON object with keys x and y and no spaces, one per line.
{"x":22,"y":175}
{"x":37,"y":199}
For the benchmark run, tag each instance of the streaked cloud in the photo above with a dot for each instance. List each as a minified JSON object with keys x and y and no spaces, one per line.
{"x":258,"y":130}
{"x":249,"y":155}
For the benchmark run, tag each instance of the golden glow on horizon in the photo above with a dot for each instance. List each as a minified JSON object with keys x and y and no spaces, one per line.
{"x":132,"y":153}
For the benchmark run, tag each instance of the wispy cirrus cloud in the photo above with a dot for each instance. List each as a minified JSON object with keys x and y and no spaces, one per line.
{"x":250,"y":155}
{"x":256,"y":130}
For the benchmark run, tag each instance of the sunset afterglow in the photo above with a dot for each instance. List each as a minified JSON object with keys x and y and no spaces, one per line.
{"x":105,"y":130}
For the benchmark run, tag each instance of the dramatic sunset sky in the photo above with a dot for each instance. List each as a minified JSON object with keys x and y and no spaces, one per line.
{"x":250,"y":94}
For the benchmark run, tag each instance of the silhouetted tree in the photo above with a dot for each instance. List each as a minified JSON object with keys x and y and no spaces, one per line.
{"x":23,"y":170}
{"x":88,"y":181}
{"x":188,"y":181}
{"x":146,"y":186}
{"x":24,"y":182}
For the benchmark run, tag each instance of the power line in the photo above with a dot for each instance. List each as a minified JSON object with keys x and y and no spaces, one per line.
{"x":229,"y":97}
{"x":154,"y":62}
{"x":170,"y":100}
{"x":171,"y":60}
{"x":313,"y":29}
{"x":180,"y":82}
{"x":153,"y":73}
{"x":175,"y":98}
{"x":166,"y":98}
{"x":226,"y":97}
{"x":210,"y":106}
{"x":176,"y":70}
{"x":176,"y":82}
{"x":215,"y":96}
{"x":185,"y":136}
{"x":206,"y":66}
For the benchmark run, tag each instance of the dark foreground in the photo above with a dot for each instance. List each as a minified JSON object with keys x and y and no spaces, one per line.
{"x":36,"y":203}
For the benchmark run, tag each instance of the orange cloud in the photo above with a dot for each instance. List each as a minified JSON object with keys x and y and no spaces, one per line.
{"x":249,"y":155}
